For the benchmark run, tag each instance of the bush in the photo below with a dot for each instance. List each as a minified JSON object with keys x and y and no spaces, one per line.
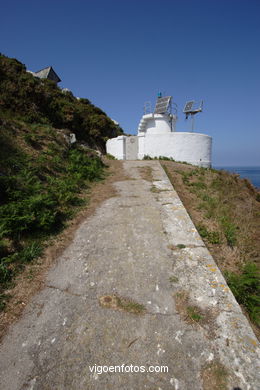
{"x":212,"y":237}
{"x":246,"y":288}
{"x":110,"y":157}
{"x":41,"y":100}
{"x":35,"y":204}
{"x":229,"y":230}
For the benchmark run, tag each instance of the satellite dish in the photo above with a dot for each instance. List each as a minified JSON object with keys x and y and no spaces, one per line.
{"x":191,"y":108}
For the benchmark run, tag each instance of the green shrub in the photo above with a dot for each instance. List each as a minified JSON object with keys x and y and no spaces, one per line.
{"x":33,"y":100}
{"x":199,"y":185}
{"x":246,"y":288}
{"x":212,"y":237}
{"x":229,"y":230}
{"x":202,"y":231}
{"x":166,"y":158}
{"x":35,"y":204}
{"x":110,"y":157}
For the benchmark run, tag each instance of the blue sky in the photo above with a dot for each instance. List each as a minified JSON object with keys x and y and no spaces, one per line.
{"x":120,"y":53}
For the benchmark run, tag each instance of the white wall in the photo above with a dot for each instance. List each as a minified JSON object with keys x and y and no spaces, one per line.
{"x":156,"y":124}
{"x":193,"y":148}
{"x":116,"y":147}
{"x":141,"y":146}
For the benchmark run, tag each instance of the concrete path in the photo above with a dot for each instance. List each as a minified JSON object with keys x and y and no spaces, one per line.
{"x":131,"y":249}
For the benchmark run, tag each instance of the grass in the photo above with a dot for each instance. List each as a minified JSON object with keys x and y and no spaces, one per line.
{"x":110,"y":157}
{"x":246,"y":289}
{"x":130,"y":306}
{"x":40,"y":102}
{"x":123,"y":304}
{"x":40,"y":189}
{"x":215,"y":376}
{"x":146,"y":173}
{"x":173,"y":279}
{"x":213,"y":237}
{"x":194,"y":313}
{"x":155,"y":189}
{"x":189,"y":312}
{"x":181,"y":246}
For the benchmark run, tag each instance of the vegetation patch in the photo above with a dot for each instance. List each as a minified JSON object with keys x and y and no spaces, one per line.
{"x":246,"y":289}
{"x":110,"y":157}
{"x":31,"y":279}
{"x":123,"y":304}
{"x":43,"y":181}
{"x":188,"y":312}
{"x":173,"y":279}
{"x":164,"y":158}
{"x":194,"y":313}
{"x":41,"y":101}
{"x":146,"y":173}
{"x":155,"y":189}
{"x":213,"y":237}
{"x":40,"y":189}
{"x":215,"y":376}
{"x":181,"y":246}
{"x":175,"y":247}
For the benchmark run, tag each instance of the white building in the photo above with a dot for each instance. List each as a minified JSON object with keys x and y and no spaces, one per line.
{"x":157,"y":137}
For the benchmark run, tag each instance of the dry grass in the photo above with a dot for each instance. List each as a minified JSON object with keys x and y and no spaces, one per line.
{"x":193,"y":314}
{"x":188,"y":312}
{"x":146,"y":173}
{"x":214,"y":376}
{"x":115,"y":302}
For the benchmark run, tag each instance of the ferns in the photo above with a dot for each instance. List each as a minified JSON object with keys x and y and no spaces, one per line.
{"x":35,"y":204}
{"x":246,"y":289}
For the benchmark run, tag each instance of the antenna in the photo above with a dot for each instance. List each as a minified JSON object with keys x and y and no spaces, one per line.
{"x":191,"y":108}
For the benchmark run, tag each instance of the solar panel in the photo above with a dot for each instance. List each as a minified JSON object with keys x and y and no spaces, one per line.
{"x":192,"y":107}
{"x":162,"y":104}
{"x":188,"y":106}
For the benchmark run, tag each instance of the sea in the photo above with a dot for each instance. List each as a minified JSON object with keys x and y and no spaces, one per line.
{"x":251,"y":173}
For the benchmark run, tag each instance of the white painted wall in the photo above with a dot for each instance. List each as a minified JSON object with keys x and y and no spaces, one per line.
{"x":141,"y":146}
{"x":156,"y":124}
{"x":193,"y":148}
{"x":116,"y":147}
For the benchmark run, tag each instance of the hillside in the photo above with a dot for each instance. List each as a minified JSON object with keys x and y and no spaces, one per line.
{"x":41,"y":101}
{"x":42,"y":176}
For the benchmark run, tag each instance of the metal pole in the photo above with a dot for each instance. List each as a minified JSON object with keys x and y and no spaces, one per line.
{"x":192,"y":122}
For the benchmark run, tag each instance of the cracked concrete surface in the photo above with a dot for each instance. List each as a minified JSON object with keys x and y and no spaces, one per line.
{"x":124,"y":249}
